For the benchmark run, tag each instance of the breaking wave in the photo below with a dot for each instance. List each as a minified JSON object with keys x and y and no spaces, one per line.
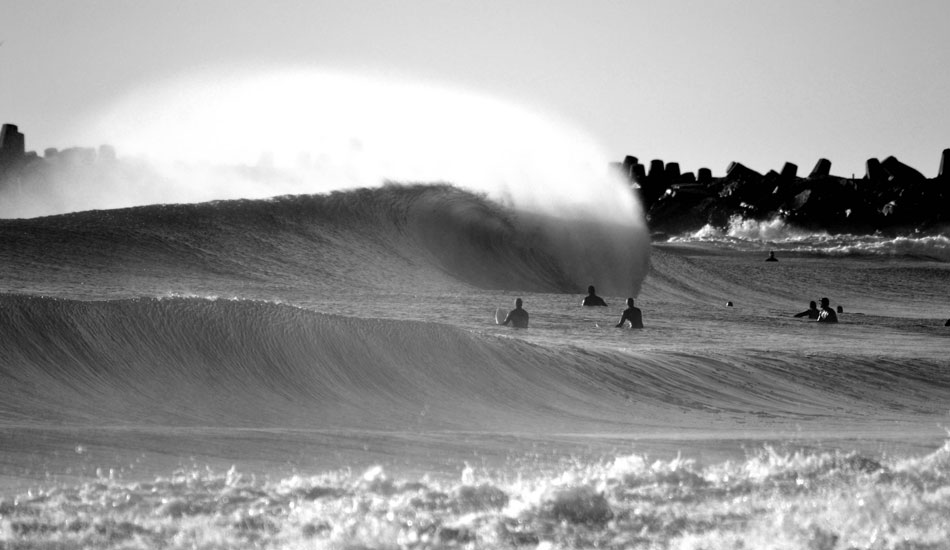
{"x":753,"y":235}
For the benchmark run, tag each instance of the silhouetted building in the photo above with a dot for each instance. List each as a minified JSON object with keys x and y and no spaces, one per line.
{"x":12,"y":146}
{"x":78,"y":155}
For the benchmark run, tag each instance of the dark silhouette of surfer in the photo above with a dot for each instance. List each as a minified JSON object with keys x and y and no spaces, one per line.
{"x":771,"y":257}
{"x":593,"y":299}
{"x":826,"y":314}
{"x":812,"y":312}
{"x":518,"y":317}
{"x":631,"y":314}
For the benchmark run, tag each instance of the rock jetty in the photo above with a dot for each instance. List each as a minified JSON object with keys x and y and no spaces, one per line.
{"x":892,"y":197}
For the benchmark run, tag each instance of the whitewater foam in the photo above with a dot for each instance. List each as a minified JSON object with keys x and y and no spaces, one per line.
{"x":771,"y":500}
{"x":745,"y":234}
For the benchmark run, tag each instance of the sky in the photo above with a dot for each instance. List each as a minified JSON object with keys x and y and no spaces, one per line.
{"x":703,"y":83}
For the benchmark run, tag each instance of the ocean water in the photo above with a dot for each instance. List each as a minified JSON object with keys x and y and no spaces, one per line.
{"x":324,"y":371}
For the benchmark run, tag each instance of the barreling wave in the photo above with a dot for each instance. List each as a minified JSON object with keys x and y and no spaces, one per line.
{"x":752,"y":235}
{"x":367,"y":238}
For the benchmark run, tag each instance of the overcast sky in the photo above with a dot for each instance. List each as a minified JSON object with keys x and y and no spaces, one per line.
{"x":699,"y":82}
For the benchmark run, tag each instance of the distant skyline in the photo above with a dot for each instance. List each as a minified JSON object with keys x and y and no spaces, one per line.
{"x":701,"y":83}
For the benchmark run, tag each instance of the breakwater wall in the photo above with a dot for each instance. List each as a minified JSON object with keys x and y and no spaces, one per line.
{"x":891,"y":197}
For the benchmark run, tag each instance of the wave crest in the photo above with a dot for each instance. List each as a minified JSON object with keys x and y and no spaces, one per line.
{"x":341,"y":240}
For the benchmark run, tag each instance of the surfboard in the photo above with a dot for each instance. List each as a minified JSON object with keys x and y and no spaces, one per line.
{"x":500,"y":315}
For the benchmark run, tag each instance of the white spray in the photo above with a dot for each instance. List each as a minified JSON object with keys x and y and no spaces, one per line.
{"x":249,"y":135}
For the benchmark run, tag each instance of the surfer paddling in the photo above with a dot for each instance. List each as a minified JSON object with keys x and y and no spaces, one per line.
{"x":518,"y":317}
{"x":812,"y":312}
{"x":631,"y":314}
{"x":593,"y":299}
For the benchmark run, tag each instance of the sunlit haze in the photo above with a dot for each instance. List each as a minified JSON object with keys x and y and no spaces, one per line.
{"x":320,"y":131}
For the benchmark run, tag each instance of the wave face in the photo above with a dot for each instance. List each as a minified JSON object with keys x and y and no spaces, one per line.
{"x":187,"y":362}
{"x":198,"y":362}
{"x":338,"y":238}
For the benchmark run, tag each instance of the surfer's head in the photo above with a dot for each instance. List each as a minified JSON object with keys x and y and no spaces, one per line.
{"x":812,"y":305}
{"x":824,"y":302}
{"x":629,"y":302}
{"x":590,"y":289}
{"x":518,"y":303}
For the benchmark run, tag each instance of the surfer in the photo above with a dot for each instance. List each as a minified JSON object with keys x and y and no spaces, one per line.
{"x":771,"y":257}
{"x":631,"y":314}
{"x":812,"y":312}
{"x":518,"y":317}
{"x":826,"y":314}
{"x":593,"y":299}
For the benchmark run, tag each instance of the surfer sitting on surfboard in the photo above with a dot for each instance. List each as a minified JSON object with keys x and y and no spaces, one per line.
{"x":592,"y":299}
{"x":631,"y":314}
{"x":518,"y":317}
